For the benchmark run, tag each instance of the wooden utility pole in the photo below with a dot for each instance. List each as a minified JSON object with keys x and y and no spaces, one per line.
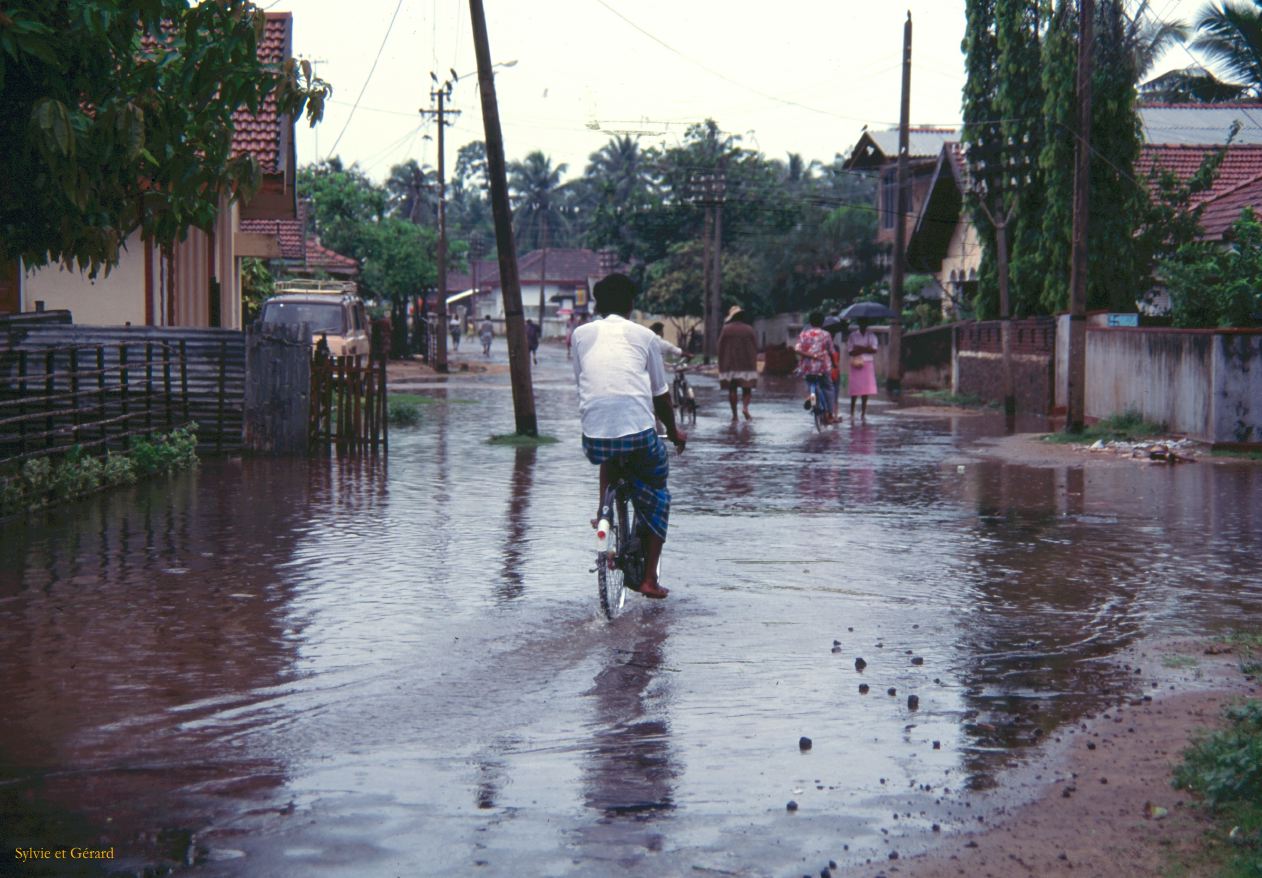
{"x":716,"y":273}
{"x":1076,"y":393}
{"x":894,"y":379}
{"x":510,"y":282}
{"x":707,"y":266}
{"x":441,"y":93}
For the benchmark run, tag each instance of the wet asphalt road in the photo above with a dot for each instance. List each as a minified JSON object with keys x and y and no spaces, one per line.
{"x":324,"y":668}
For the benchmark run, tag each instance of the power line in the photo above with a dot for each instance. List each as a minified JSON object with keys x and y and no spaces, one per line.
{"x":368,"y":78}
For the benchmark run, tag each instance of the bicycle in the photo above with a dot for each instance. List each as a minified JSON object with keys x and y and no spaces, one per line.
{"x":619,"y":543}
{"x":815,"y":403}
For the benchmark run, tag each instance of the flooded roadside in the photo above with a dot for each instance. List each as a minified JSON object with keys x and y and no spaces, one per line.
{"x":324,"y":668}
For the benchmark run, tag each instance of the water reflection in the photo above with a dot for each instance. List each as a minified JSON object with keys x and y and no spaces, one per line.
{"x":125,"y":640}
{"x":515,"y":542}
{"x":629,"y":774}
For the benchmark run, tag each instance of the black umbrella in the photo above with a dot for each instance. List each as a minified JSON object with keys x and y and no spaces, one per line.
{"x":833,"y":324}
{"x":868,"y":311}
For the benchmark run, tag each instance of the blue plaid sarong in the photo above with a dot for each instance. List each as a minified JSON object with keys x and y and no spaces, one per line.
{"x":646,"y":463}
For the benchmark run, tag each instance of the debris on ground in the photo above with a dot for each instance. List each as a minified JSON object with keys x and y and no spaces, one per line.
{"x":1160,"y":451}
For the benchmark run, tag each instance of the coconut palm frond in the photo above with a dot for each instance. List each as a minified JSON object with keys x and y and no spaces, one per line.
{"x":1229,"y":34}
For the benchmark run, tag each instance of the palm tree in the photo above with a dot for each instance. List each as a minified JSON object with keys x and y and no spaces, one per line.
{"x":413,"y":192}
{"x":1149,"y":37}
{"x":1229,"y":33}
{"x":538,"y":214}
{"x":535,"y":184}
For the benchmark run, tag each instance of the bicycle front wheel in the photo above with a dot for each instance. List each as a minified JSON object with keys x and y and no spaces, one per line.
{"x":610,"y":579}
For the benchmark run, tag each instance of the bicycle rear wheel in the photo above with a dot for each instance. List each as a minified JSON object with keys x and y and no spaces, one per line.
{"x":610,"y":579}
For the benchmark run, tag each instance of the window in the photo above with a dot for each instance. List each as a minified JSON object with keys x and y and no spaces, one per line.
{"x":320,"y":316}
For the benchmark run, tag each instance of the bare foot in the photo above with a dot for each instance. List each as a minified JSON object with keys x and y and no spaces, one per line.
{"x":748,"y":416}
{"x":653,"y":590}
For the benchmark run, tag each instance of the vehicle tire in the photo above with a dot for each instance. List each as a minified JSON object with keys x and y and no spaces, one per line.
{"x":610,"y":578}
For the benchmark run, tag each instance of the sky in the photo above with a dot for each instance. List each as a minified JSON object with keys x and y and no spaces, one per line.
{"x":800,"y":76}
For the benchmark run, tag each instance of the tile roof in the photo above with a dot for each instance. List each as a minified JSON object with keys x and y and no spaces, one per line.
{"x":1220,"y":211}
{"x":565,"y":266}
{"x":288,"y":232}
{"x":319,"y":256}
{"x":1238,"y":183}
{"x":877,"y":147}
{"x":266,"y":135}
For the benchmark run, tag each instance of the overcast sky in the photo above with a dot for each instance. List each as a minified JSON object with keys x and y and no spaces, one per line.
{"x":794,"y":75}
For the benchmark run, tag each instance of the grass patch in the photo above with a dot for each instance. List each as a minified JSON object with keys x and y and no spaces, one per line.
{"x":961,"y":400}
{"x":1224,"y":768}
{"x":403,"y":414}
{"x":516,"y":440}
{"x":1126,"y":427}
{"x":1238,"y":455}
{"x":1179,"y":661}
{"x":421,"y":399}
{"x":1248,"y":646}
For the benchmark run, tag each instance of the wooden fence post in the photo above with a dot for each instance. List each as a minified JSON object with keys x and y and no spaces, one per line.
{"x":277,"y":389}
{"x":100,"y":391}
{"x":122,"y":393}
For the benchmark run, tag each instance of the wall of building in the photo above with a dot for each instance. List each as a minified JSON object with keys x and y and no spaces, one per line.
{"x":1204,"y":383}
{"x":978,"y":369}
{"x":1164,"y":376}
{"x":1238,"y":388}
{"x":109,"y":300}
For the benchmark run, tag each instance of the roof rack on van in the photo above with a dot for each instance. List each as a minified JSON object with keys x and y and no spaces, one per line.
{"x":308,"y":287}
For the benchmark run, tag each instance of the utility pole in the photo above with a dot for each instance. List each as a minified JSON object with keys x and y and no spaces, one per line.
{"x":1076,"y":395}
{"x":543,"y":274}
{"x":440,"y":93}
{"x":708,"y":188}
{"x":894,"y":380}
{"x":510,"y":282}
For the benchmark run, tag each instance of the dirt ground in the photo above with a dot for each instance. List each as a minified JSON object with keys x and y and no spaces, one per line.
{"x":1100,"y":815}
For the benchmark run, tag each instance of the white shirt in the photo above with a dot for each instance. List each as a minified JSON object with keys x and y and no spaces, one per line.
{"x":618,"y":368}
{"x":666,"y":347}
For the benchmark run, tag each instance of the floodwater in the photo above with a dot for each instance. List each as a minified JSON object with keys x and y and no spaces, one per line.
{"x":325,"y":668}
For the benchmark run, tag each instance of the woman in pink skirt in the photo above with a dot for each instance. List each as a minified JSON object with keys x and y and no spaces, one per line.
{"x":861,"y":348}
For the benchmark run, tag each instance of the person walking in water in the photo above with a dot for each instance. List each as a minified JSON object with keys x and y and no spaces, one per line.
{"x":532,"y":341}
{"x":861,"y":348}
{"x":486,"y":332}
{"x":455,"y":328}
{"x":738,"y":359}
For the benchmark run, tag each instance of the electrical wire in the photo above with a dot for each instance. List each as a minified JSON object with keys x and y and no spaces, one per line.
{"x":367,"y":79}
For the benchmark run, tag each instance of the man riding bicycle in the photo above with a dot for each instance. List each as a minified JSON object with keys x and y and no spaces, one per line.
{"x":621,"y":386}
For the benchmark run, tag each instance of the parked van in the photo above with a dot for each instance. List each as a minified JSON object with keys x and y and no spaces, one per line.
{"x":332,"y":309}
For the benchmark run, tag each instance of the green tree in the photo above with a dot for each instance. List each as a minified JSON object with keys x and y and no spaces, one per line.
{"x":119,"y":116}
{"x":344,"y":202}
{"x":619,"y":196}
{"x":673,"y":284}
{"x":1212,"y":285}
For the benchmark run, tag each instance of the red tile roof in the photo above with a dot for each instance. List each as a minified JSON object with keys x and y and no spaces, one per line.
{"x":1221,"y":211}
{"x":565,"y":266}
{"x":319,"y":256}
{"x":288,"y":232}
{"x":1238,"y":183}
{"x":266,"y":135}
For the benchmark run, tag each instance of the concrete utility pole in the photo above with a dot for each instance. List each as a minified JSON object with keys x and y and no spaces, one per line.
{"x":510,"y":282}
{"x":1076,"y":393}
{"x":440,"y":93}
{"x":1001,"y":220}
{"x":894,"y":380}
{"x":708,"y":188}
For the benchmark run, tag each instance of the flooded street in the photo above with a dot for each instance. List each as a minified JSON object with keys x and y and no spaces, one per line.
{"x":324,"y":668}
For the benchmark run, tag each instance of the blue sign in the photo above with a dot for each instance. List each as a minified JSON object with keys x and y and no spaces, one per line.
{"x":1123,"y":320}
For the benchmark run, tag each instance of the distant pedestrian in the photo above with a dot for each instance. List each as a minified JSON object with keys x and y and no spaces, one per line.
{"x":486,"y":332}
{"x":532,"y":341}
{"x":455,"y":330}
{"x":738,"y":359}
{"x":861,"y":348}
{"x":570,"y":326}
{"x":667,"y":349}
